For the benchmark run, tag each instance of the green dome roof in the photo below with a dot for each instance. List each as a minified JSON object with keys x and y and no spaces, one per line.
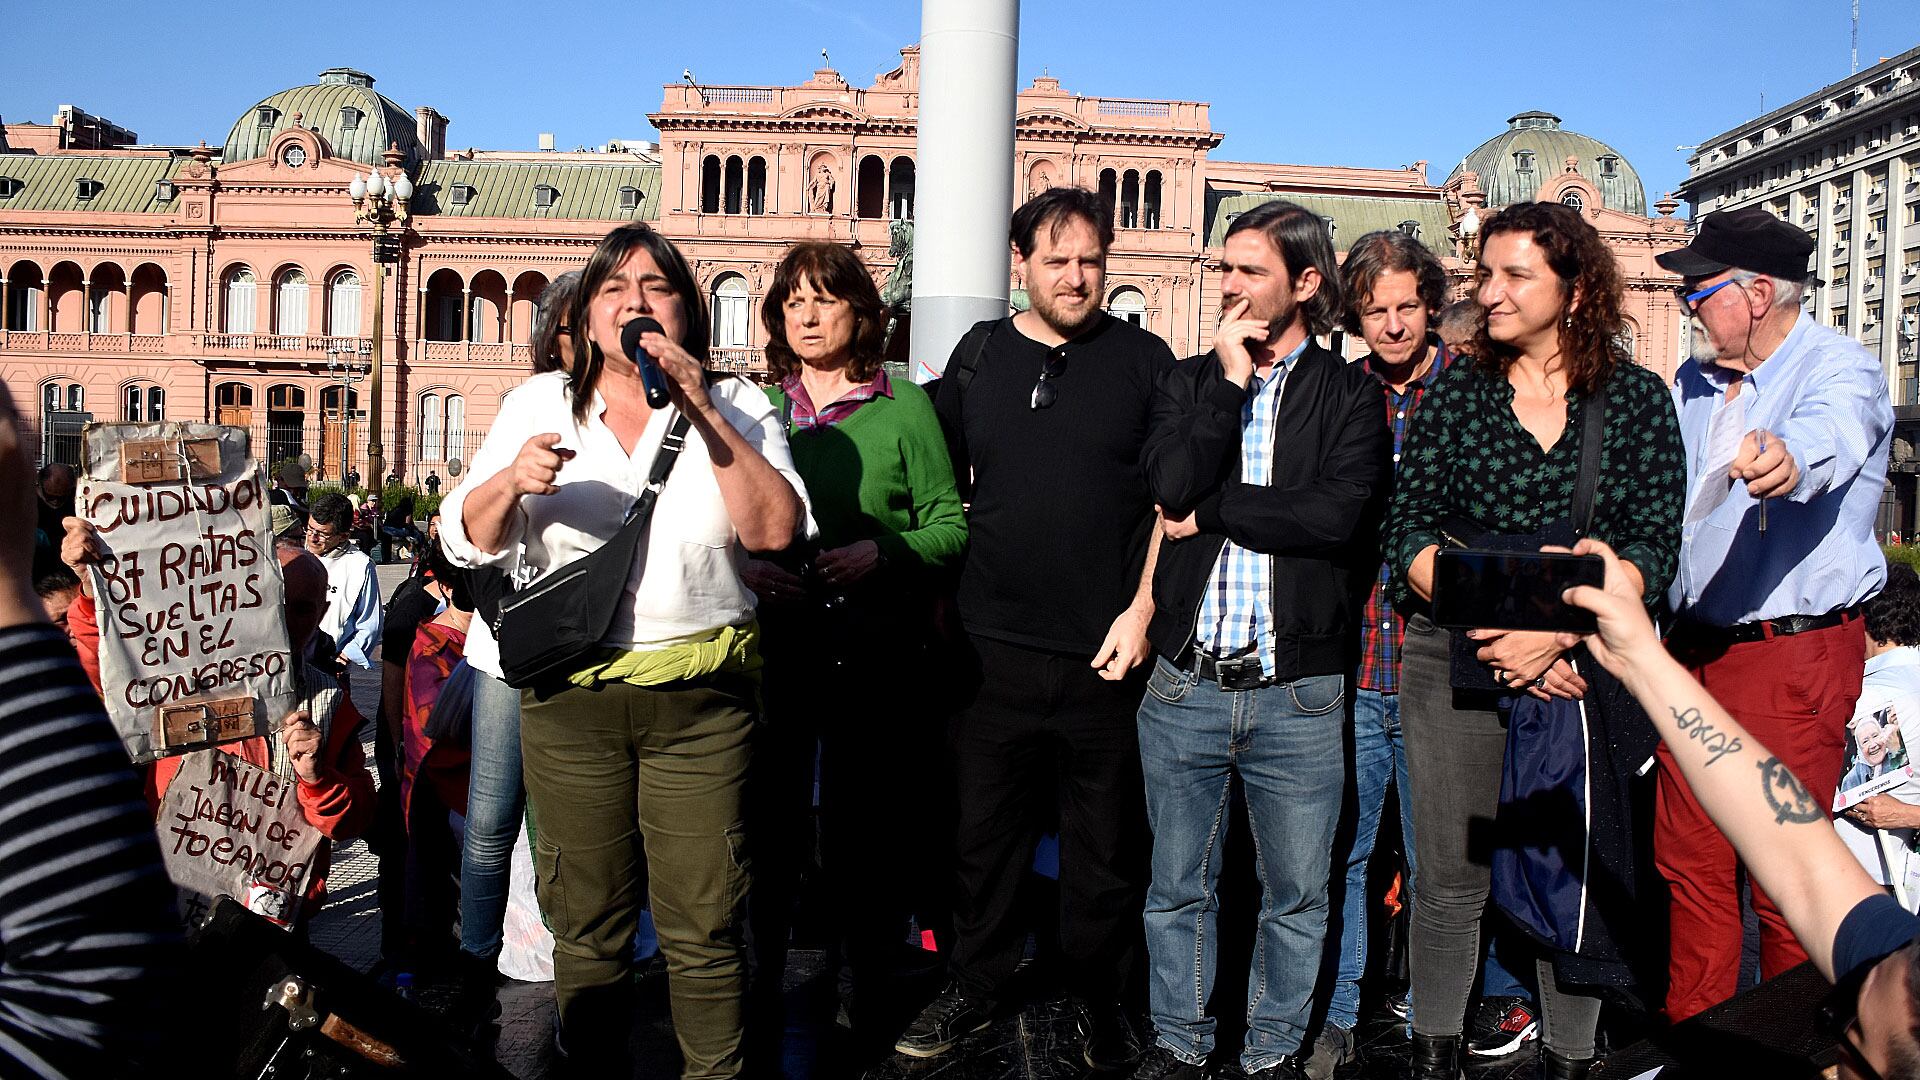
{"x":358,"y":123}
{"x":1536,"y":139}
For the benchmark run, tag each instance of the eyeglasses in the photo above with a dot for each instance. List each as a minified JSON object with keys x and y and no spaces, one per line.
{"x":1692,"y":300}
{"x":1044,"y":392}
{"x":320,"y":534}
{"x":1838,"y":1017}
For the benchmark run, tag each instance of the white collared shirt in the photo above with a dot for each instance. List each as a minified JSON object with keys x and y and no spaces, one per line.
{"x":686,"y":582}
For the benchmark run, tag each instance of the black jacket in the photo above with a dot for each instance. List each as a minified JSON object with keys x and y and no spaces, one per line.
{"x":1319,"y":518}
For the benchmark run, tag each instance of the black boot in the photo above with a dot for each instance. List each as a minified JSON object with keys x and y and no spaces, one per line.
{"x":1555,"y":1067}
{"x":1436,"y":1057}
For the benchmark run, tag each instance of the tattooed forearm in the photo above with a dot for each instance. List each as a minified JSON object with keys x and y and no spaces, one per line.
{"x":1694,"y":726}
{"x":1790,"y":801}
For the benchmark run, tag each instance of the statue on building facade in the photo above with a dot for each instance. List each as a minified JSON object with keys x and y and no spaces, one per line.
{"x":820,"y":190}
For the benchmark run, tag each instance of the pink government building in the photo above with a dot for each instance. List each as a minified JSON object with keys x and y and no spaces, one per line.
{"x":232,"y":282}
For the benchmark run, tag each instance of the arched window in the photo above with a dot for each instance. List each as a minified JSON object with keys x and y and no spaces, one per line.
{"x":290,"y":303}
{"x":430,"y":427}
{"x":286,"y":421}
{"x":730,"y":312}
{"x":233,"y":404}
{"x":343,"y":304}
{"x":143,"y":402}
{"x":710,"y":185}
{"x":1129,"y":304}
{"x":1109,"y":189}
{"x":237,"y":313}
{"x":1573,"y":200}
{"x":734,"y":183}
{"x":900,"y":179}
{"x":1150,"y":202}
{"x":1130,"y":200}
{"x":100,"y":311}
{"x":24,"y":297}
{"x":456,"y":427}
{"x":60,"y":434}
{"x":870,"y":188}
{"x":757,"y":186}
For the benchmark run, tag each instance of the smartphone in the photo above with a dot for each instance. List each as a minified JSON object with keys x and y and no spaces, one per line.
{"x":1511,"y":590}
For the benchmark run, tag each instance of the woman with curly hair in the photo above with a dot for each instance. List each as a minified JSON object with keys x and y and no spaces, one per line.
{"x":1493,"y":455}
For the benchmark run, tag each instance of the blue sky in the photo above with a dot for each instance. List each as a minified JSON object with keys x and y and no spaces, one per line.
{"x":1330,"y":82}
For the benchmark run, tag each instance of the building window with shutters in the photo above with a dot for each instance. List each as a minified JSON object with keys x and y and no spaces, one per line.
{"x":237,"y":312}
{"x":730,"y":312}
{"x":1128,"y":304}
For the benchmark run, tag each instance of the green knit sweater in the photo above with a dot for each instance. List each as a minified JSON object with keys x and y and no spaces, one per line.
{"x":883,"y":474}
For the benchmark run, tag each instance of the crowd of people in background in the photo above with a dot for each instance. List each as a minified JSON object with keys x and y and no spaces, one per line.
{"x":1154,"y":622}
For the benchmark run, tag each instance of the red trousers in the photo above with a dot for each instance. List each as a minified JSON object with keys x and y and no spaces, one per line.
{"x":1794,"y":695}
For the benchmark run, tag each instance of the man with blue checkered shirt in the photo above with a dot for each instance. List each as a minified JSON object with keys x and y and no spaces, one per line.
{"x":1270,"y":459}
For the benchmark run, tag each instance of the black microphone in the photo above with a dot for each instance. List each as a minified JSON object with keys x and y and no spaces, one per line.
{"x":651,"y":376}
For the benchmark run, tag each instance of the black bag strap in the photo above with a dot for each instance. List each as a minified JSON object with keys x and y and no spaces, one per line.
{"x":970,"y":362}
{"x":663,"y":460}
{"x":1593,"y":424}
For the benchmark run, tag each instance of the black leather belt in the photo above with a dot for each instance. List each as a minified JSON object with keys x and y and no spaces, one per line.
{"x":1695,"y":633}
{"x":1241,"y":671}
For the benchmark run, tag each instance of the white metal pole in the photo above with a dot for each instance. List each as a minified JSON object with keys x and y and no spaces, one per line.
{"x":964,"y":173}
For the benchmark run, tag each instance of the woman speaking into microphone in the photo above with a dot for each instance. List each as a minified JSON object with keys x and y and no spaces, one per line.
{"x":642,"y":738}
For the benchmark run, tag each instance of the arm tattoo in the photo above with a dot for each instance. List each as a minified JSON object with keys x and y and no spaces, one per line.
{"x":1694,"y":726}
{"x":1789,"y":800}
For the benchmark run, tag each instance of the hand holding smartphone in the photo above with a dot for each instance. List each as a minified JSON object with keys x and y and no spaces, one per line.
{"x":1512,"y":590}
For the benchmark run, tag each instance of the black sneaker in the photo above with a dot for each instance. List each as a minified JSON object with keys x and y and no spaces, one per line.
{"x":1332,"y":1048}
{"x":1111,"y":1043}
{"x":1160,"y":1064}
{"x":945,"y":1021}
{"x":1287,"y":1068}
{"x":1502,"y":1025}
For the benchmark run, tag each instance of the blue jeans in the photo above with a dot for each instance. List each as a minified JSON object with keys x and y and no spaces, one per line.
{"x":495,"y":801}
{"x":1285,"y":742}
{"x":1379,"y":756}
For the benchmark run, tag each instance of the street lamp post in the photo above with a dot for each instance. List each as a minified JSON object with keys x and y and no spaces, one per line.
{"x":347,"y":372}
{"x":383,"y":205}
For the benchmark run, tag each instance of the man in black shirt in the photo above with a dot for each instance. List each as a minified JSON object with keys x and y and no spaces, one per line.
{"x":1046,"y":414}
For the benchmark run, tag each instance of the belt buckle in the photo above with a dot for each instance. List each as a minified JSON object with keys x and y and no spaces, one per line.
{"x":1239,"y":673}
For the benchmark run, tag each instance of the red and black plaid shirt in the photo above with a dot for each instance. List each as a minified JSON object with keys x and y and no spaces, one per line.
{"x":1381,"y":627}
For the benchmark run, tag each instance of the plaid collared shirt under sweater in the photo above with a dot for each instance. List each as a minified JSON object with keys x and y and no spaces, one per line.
{"x":1237,"y":610}
{"x":1381,"y":627}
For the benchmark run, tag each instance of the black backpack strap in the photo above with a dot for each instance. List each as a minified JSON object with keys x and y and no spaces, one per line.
{"x":970,"y":358}
{"x":1593,"y":425}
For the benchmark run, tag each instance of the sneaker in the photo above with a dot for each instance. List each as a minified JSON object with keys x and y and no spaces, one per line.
{"x":1332,"y":1048}
{"x":1111,"y":1043}
{"x":1160,"y":1064}
{"x":1287,"y":1068}
{"x":1502,"y":1025}
{"x":945,"y":1021}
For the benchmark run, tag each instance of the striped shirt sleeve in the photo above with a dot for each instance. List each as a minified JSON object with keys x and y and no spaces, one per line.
{"x":88,"y":922}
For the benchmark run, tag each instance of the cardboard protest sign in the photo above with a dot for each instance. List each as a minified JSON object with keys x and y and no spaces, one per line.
{"x":193,"y":644}
{"x":228,"y":828}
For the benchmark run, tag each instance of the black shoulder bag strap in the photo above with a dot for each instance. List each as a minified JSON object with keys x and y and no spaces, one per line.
{"x":970,"y":362}
{"x":663,"y":460}
{"x":1593,"y":425}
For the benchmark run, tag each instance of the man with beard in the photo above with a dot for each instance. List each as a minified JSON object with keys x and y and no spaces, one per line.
{"x":1786,"y":425}
{"x":1270,"y":460}
{"x":1046,"y":414}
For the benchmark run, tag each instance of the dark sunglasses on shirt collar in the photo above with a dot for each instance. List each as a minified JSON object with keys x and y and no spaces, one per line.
{"x":1045,"y":393}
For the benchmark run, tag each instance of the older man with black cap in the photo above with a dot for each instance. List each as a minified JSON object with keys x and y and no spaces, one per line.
{"x":1783,"y":419}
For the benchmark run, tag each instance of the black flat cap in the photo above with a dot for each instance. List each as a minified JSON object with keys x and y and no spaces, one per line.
{"x":1745,"y":239}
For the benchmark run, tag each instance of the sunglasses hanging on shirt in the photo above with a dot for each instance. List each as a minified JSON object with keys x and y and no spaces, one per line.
{"x":1044,"y":392}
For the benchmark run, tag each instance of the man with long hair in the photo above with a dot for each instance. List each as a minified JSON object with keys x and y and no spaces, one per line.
{"x":1270,"y":460}
{"x":1783,"y":418}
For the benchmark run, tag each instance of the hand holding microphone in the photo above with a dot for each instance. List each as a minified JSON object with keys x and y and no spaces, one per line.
{"x":651,"y":376}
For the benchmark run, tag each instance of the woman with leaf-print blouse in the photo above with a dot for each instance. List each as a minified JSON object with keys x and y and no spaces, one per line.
{"x":1497,"y":444}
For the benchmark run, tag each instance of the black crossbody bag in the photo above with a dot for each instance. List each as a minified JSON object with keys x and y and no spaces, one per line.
{"x":553,"y":622}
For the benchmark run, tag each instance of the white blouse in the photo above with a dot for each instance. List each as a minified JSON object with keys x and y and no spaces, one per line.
{"x":685,"y":584}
